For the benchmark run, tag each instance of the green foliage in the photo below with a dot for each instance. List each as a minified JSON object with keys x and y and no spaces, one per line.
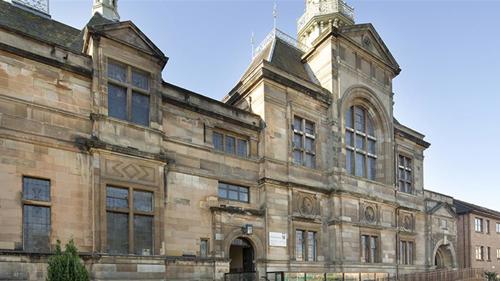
{"x":66,"y":266}
{"x":491,"y":276}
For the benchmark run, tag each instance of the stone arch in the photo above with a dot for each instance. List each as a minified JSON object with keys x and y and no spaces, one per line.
{"x":444,"y":255}
{"x":254,"y":240}
{"x":364,"y":97}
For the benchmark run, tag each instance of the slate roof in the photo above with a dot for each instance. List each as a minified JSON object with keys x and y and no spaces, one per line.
{"x":465,"y":208}
{"x":283,"y":56}
{"x":44,"y":28}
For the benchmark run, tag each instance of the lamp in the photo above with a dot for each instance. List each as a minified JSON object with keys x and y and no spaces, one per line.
{"x":247,"y":229}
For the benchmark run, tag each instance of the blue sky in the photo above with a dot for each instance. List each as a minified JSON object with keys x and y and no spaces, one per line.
{"x":449,"y":52}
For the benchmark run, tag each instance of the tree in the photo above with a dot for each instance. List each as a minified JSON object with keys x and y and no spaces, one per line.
{"x":491,"y":276}
{"x":66,"y":266}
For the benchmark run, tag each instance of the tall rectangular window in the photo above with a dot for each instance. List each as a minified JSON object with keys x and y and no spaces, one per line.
{"x":369,"y":248}
{"x":204,"y":248}
{"x":230,"y":144}
{"x":487,"y":226}
{"x":478,"y":252}
{"x":233,"y":192}
{"x":498,"y":227}
{"x":128,"y":93}
{"x":305,"y":245}
{"x":488,"y":253}
{"x":478,"y":225}
{"x":405,"y":177}
{"x":406,"y":252}
{"x":130,"y":221}
{"x":498,"y":253}
{"x":36,"y":215}
{"x":304,"y":142}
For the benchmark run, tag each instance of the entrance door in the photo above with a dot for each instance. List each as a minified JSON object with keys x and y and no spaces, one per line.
{"x":241,"y":254}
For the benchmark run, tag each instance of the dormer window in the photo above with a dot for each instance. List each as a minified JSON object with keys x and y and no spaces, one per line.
{"x":128,"y":93}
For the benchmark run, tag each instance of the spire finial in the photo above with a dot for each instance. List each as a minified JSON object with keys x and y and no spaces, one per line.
{"x":107,"y":9}
{"x":275,"y":13}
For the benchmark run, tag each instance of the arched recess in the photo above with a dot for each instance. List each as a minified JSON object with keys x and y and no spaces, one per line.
{"x":364,"y":97}
{"x":444,"y":255}
{"x":253,"y":239}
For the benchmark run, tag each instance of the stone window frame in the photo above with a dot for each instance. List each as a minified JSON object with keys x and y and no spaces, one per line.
{"x":377,"y":235}
{"x":130,"y":88}
{"x":405,"y":168}
{"x":353,"y":150}
{"x":36,"y":203}
{"x":237,"y":137}
{"x":155,"y":214}
{"x":304,"y":137}
{"x":306,"y":227}
{"x":478,"y":225}
{"x":412,"y":240}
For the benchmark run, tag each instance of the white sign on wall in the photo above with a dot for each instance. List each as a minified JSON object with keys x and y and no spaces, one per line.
{"x":277,"y":239}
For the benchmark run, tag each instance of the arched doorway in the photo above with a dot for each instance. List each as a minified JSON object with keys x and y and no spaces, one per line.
{"x":241,"y":254}
{"x":443,"y":257}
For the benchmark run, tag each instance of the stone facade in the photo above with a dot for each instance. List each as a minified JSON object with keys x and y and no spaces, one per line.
{"x":56,"y":125}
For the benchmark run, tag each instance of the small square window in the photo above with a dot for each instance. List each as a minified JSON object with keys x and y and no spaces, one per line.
{"x":230,"y":145}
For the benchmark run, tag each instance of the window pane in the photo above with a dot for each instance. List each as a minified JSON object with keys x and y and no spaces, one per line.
{"x":297,"y":124}
{"x":117,"y":102}
{"x":370,"y":128}
{"x":299,"y":244}
{"x":309,"y":144}
{"x":349,"y":161}
{"x":311,"y":243}
{"x":360,"y":142}
{"x":222,"y":192}
{"x":140,"y":109}
{"x":371,"y":168}
{"x":373,"y":249}
{"x":371,"y":146}
{"x":140,"y":80}
{"x":117,"y":233}
{"x":230,"y":144}
{"x":297,"y":157}
{"x":310,"y":160}
{"x":36,"y":228}
{"x":203,"y":248}
{"x":116,"y":197}
{"x":309,"y":127}
{"x":401,"y":161}
{"x":244,"y":197}
{"x":360,"y":165}
{"x":364,"y":247}
{"x":143,"y":235}
{"x":349,"y":138}
{"x":143,"y":201}
{"x":297,"y":140}
{"x":117,"y":72}
{"x":348,"y":118}
{"x":242,"y":148}
{"x":359,"y":119}
{"x":217,"y":140}
{"x":36,"y":189}
{"x":233,"y":195}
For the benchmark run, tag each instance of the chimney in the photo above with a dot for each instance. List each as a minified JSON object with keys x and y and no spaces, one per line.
{"x":107,"y":8}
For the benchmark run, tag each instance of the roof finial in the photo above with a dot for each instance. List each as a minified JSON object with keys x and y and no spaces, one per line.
{"x":107,"y":8}
{"x":275,"y":13}
{"x":252,"y":42}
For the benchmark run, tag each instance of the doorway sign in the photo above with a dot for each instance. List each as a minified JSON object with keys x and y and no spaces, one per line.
{"x":277,"y":239}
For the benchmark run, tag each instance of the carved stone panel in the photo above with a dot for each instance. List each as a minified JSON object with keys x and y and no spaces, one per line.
{"x":369,"y":213}
{"x":305,"y":204}
{"x":406,"y":221}
{"x":129,"y":170}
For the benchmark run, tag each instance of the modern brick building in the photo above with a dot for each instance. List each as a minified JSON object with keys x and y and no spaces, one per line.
{"x":478,"y":237}
{"x":301,"y":171}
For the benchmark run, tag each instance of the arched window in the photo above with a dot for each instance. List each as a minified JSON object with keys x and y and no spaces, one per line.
{"x":360,"y":143}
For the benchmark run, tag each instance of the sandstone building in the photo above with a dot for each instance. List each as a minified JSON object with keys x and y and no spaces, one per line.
{"x":478,"y":235}
{"x":302,"y":171}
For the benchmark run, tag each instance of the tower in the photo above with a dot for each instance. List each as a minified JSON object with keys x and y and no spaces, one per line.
{"x":107,"y":8}
{"x":319,"y":15}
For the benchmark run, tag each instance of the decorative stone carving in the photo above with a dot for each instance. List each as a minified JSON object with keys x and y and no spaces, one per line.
{"x":305,"y":204}
{"x":369,"y":212}
{"x":130,"y":171}
{"x":406,"y":221}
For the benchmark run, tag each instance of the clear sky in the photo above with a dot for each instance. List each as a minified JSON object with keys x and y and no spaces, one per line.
{"x":449,"y":52}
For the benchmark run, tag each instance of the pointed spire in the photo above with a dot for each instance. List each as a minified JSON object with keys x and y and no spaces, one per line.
{"x":107,"y":8}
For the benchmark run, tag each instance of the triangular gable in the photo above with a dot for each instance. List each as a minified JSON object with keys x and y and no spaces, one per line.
{"x":367,"y":38}
{"x":442,"y":209}
{"x":129,"y":34}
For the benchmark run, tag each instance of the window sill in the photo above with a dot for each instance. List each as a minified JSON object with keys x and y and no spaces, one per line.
{"x":231,"y":155}
{"x":131,"y":124}
{"x":315,"y":169}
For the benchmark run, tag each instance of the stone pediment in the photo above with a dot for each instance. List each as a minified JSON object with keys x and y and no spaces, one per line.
{"x":366,"y":37}
{"x":442,"y":209}
{"x":127,"y":33}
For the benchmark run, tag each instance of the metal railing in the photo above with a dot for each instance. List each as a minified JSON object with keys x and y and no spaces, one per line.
{"x":465,"y":274}
{"x":276,"y":33}
{"x":242,"y":276}
{"x":323,"y":8}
